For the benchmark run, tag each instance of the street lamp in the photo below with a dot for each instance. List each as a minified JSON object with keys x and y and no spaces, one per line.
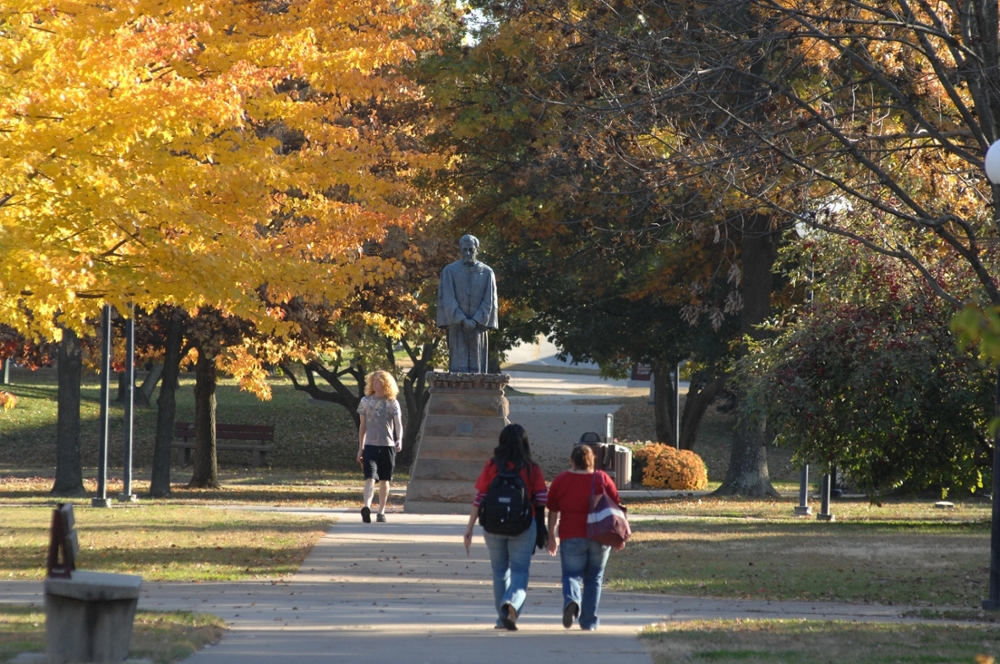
{"x":993,"y":603}
{"x":993,"y":163}
{"x":803,"y":509}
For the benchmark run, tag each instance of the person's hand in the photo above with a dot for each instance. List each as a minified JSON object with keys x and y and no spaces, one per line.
{"x":467,"y":540}
{"x":361,"y":456}
{"x":399,"y":447}
{"x":553,"y":545}
{"x":468,"y":325}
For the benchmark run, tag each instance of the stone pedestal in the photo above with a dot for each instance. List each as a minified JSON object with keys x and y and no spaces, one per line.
{"x":461,"y":428}
{"x":88,"y":617}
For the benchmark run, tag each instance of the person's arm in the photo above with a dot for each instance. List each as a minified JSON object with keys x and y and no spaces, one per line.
{"x":485,"y":477}
{"x":553,"y":523}
{"x":361,"y":438}
{"x":397,"y":427}
{"x":467,"y":538}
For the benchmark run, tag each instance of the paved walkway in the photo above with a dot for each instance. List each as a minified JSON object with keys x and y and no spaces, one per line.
{"x":404,"y":591}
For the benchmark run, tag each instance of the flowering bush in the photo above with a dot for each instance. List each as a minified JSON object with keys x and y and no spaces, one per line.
{"x":664,"y":467}
{"x":7,"y":400}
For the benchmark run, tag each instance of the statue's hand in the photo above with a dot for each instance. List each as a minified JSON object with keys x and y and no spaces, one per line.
{"x":468,"y":325}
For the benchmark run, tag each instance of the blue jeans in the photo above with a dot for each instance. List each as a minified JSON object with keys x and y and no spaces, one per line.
{"x":510,"y":557}
{"x":583,"y":563}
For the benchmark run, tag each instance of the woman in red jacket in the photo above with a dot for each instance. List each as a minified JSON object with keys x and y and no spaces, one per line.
{"x":583,"y":559}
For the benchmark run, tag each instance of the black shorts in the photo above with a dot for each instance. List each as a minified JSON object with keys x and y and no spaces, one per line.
{"x":379,"y":462}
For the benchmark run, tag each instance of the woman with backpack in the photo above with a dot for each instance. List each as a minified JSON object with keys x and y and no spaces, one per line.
{"x":510,"y":505}
{"x":583,"y":559}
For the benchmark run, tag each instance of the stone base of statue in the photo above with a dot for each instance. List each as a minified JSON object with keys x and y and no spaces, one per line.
{"x":462,"y":424}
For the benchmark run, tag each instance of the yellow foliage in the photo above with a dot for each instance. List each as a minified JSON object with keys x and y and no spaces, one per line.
{"x":666,"y":467}
{"x":247,"y":368}
{"x":168,"y":152}
{"x":7,"y":400}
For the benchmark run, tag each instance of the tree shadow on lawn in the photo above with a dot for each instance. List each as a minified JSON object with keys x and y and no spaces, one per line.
{"x":809,"y":641}
{"x":154,"y":555}
{"x":918,"y":564}
{"x":36,"y":490}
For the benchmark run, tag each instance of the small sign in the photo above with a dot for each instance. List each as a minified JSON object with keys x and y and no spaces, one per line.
{"x":641,"y":372}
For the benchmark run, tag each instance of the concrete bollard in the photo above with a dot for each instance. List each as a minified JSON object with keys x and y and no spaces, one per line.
{"x":89,"y":617}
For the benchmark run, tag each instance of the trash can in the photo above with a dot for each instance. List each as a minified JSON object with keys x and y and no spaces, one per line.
{"x":618,"y":464}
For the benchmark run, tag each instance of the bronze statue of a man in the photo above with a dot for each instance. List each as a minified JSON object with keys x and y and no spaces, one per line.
{"x":467,"y":306}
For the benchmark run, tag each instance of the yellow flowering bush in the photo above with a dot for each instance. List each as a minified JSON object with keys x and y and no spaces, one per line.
{"x":664,"y":467}
{"x":7,"y":400}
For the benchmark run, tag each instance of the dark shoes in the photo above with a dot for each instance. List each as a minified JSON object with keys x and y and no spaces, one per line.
{"x":366,"y":514}
{"x":570,"y":613}
{"x":380,"y":518}
{"x":508,"y":616}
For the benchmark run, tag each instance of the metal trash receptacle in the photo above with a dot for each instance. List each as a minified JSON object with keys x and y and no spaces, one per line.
{"x":618,"y":464}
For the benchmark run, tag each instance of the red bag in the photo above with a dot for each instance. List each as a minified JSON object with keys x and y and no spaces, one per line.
{"x":607,"y":522}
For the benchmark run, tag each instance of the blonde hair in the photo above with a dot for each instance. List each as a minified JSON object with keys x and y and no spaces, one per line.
{"x":389,"y":385}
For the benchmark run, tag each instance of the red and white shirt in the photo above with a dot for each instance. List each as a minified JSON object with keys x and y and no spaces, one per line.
{"x":570,"y":494}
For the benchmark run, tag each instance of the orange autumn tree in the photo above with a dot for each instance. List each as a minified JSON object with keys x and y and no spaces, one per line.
{"x":225,"y":154}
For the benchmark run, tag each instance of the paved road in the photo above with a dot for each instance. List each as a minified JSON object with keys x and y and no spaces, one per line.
{"x":404,"y":591}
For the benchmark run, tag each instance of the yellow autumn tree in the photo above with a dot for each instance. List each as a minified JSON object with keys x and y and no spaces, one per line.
{"x":193,"y":153}
{"x":224,"y":154}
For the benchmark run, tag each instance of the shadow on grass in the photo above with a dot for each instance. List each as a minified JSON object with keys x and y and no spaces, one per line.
{"x":814,"y":641}
{"x":181,"y":495}
{"x":916,"y":564}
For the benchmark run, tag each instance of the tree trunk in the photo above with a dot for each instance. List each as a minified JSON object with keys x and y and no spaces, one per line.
{"x":206,"y":466}
{"x":159,"y":485}
{"x":416,"y":395}
{"x":747,"y":473}
{"x":343,"y":395}
{"x":665,"y":402}
{"x":69,"y":470}
{"x":143,"y":394}
{"x":700,"y":395}
{"x":120,"y":396}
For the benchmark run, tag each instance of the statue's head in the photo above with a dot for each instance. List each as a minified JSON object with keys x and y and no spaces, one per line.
{"x":468,"y":246}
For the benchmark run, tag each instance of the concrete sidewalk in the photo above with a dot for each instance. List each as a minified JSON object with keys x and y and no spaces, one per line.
{"x":404,"y":591}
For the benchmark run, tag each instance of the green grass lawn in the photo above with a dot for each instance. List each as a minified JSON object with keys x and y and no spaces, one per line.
{"x":820,"y":642}
{"x":309,"y":435}
{"x":165,"y":542}
{"x":920,"y":563}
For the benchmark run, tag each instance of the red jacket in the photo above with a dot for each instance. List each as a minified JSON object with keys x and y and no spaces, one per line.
{"x":569,"y":495}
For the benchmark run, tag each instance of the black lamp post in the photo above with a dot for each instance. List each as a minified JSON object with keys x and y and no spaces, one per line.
{"x":126,"y":495}
{"x":101,"y":500}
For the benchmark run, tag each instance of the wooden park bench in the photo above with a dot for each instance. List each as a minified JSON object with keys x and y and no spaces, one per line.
{"x":88,"y":615}
{"x":261,"y":435}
